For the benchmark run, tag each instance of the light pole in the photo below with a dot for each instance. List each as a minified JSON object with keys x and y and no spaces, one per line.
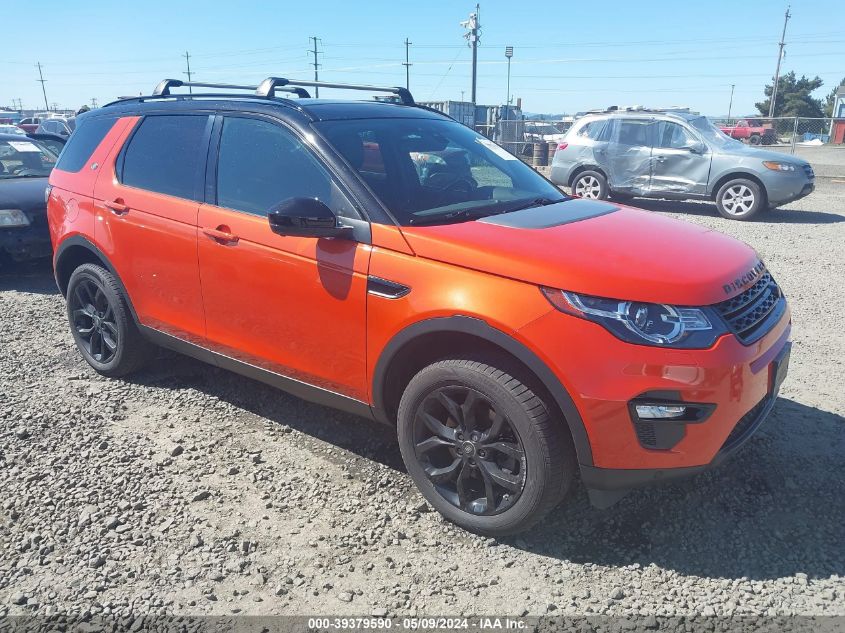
{"x":508,"y":54}
{"x":730,"y":104}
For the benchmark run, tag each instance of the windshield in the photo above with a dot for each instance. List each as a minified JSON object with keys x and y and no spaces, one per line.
{"x":433,"y":171}
{"x":25,"y":159}
{"x":711,"y":133}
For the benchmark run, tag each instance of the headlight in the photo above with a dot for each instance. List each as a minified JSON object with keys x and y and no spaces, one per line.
{"x":778,"y":166}
{"x":643,"y":323}
{"x":13,"y":217}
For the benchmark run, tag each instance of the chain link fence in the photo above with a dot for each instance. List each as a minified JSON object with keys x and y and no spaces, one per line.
{"x":778,"y":131}
{"x":534,"y":141}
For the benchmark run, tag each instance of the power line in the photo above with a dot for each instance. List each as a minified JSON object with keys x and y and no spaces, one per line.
{"x":43,"y":90}
{"x":777,"y":68}
{"x":407,"y":64}
{"x":316,"y":66}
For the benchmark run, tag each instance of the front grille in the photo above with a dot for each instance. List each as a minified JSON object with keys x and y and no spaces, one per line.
{"x":809,"y":171}
{"x":751,"y":314}
{"x":746,"y":425}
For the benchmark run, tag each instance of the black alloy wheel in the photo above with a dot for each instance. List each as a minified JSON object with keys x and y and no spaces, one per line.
{"x":102,"y":324}
{"x":94,"y":320}
{"x":469,"y":450}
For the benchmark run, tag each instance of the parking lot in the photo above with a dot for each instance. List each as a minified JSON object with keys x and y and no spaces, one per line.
{"x":187,"y":489}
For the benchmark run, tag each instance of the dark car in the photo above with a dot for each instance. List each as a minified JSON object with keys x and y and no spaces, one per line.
{"x":24,"y":166}
{"x":53,"y":142}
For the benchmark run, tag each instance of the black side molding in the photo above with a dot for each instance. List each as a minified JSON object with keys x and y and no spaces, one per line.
{"x":292,"y":386}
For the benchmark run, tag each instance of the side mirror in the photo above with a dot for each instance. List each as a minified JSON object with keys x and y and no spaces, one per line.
{"x":306,"y":217}
{"x":697,"y":148}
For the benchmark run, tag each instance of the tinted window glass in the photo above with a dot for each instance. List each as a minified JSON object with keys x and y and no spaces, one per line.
{"x":436,"y":170}
{"x":673,"y":136}
{"x":262,"y":164}
{"x":84,"y":141}
{"x":166,"y":155}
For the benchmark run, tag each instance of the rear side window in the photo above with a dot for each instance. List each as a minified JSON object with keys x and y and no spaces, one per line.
{"x":634,"y":132}
{"x":167,"y":155}
{"x":87,"y":137}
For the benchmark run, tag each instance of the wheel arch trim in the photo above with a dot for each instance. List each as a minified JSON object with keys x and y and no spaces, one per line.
{"x":78,"y":241}
{"x":479,"y":328}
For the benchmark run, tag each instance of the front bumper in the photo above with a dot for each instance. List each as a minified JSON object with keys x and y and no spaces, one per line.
{"x":605,"y":486}
{"x":785,"y":188}
{"x":22,"y":243}
{"x":603,"y":375}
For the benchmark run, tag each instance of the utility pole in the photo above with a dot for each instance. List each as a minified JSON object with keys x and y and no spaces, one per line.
{"x":93,"y":102}
{"x":730,"y":104}
{"x":407,"y":65}
{"x":42,"y":80}
{"x":777,"y":68}
{"x":508,"y":54}
{"x":187,"y":57}
{"x":316,"y":66}
{"x":473,"y":26}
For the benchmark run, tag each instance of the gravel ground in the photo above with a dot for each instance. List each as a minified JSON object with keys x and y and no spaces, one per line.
{"x":189,"y":490}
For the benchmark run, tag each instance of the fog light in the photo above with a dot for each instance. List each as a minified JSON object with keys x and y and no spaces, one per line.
{"x":13,"y":217}
{"x":660,"y":412}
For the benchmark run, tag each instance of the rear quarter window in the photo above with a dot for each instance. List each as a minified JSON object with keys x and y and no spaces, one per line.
{"x":593,"y":130}
{"x":82,"y":143}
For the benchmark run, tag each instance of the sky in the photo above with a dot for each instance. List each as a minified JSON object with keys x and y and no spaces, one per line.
{"x":568,"y":56}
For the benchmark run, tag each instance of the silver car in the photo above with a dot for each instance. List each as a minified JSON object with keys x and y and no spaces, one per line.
{"x":675,"y":155}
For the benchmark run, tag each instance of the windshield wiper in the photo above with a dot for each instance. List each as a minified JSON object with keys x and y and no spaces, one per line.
{"x":462,"y":215}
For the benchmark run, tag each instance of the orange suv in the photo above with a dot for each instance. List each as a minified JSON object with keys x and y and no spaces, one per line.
{"x":382,"y":258}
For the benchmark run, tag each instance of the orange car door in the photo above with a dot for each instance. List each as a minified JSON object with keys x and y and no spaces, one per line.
{"x":294,"y":306}
{"x":149,"y":204}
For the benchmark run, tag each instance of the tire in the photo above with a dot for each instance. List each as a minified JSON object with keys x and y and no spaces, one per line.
{"x":754,"y":139}
{"x":593,"y":185}
{"x":740,"y":199}
{"x":102,"y":326}
{"x":529,"y":462}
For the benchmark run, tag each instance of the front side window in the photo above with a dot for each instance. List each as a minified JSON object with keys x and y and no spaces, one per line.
{"x":166,"y":155}
{"x":436,"y":171}
{"x":262,"y":164}
{"x":673,"y":136}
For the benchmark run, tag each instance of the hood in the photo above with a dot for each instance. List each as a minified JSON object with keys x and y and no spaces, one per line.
{"x":26,"y":194}
{"x":599,"y":249}
{"x":751,"y":152}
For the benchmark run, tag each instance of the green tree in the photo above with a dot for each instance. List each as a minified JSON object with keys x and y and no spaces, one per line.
{"x":794,"y":97}
{"x":829,"y":100}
